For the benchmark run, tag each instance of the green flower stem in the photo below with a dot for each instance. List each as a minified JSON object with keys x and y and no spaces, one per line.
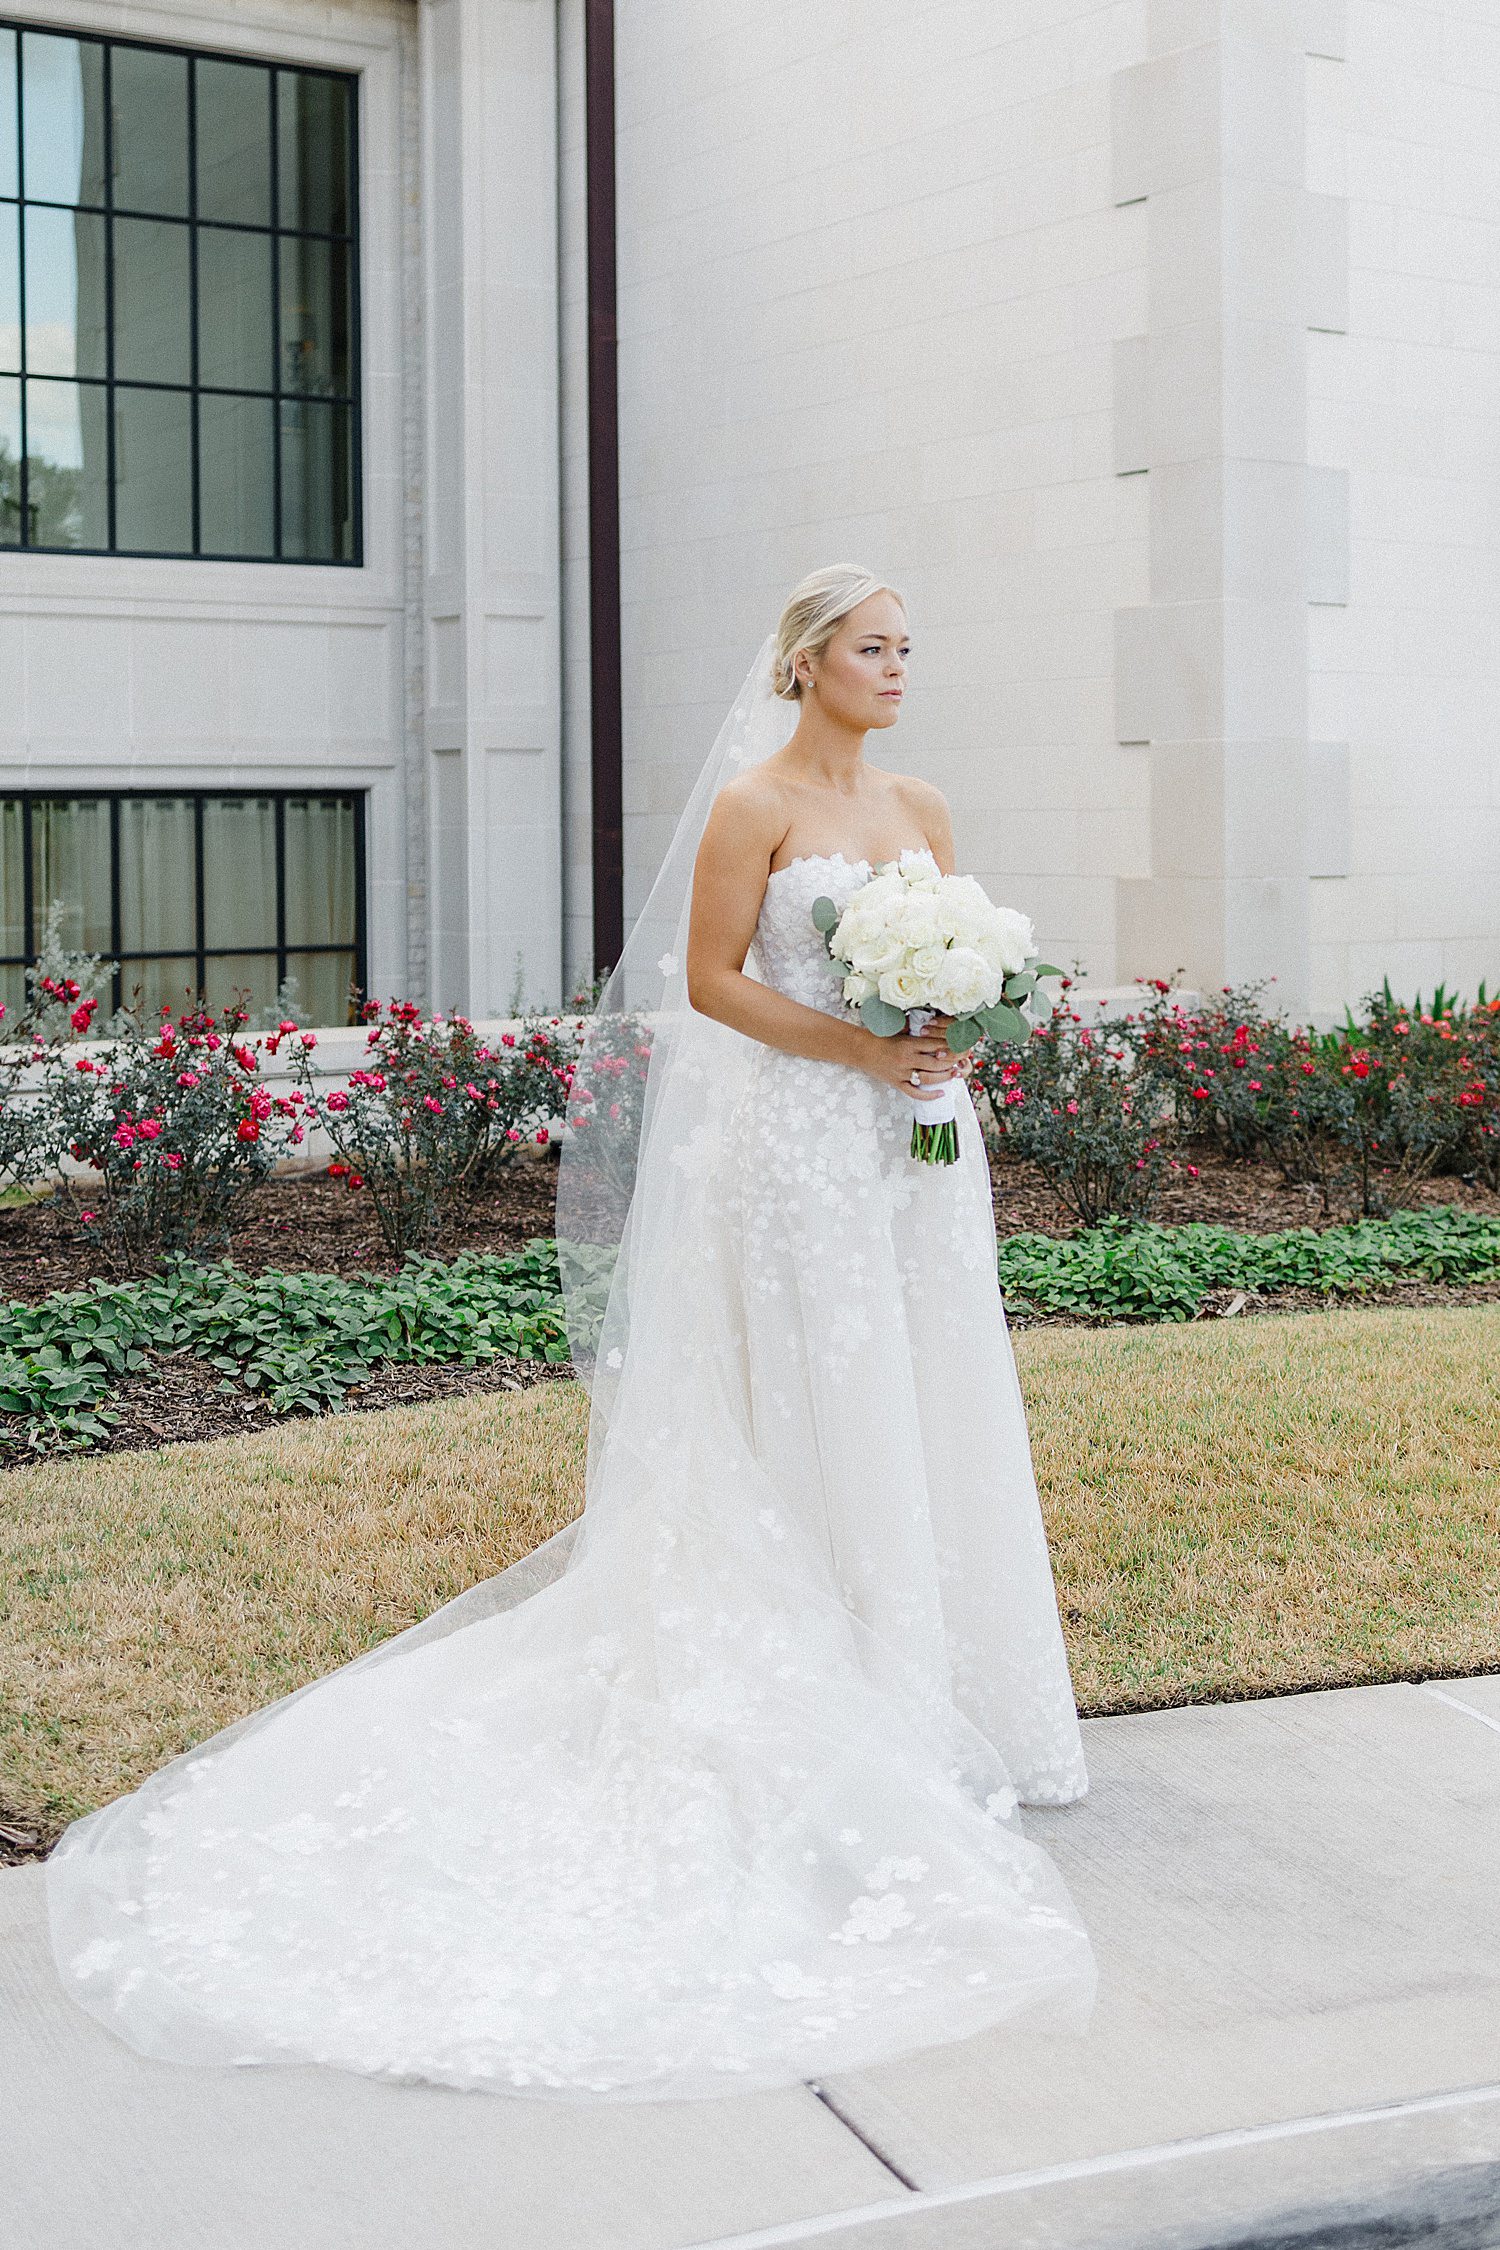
{"x":935,"y":1144}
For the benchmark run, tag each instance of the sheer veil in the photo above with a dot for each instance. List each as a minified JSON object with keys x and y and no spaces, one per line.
{"x":623,"y":1203}
{"x":654,"y":1085}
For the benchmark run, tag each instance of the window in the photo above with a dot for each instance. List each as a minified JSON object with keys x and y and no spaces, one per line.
{"x":178,"y":303}
{"x":216,"y":895}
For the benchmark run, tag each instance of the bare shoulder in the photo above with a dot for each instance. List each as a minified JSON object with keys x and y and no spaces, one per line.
{"x":748,"y":814}
{"x":922,"y":797}
{"x":928,"y":810}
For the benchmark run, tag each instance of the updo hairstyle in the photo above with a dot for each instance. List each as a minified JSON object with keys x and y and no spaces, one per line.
{"x":813,"y":614}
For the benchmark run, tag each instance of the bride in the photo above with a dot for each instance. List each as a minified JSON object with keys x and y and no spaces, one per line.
{"x":718,"y":1789}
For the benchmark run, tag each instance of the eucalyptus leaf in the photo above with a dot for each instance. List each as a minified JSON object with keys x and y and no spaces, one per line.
{"x":825,"y":915}
{"x":1044,"y":969}
{"x":1016,"y":988}
{"x":1007,"y":1025}
{"x":962,"y":1033}
{"x":879,"y":1016}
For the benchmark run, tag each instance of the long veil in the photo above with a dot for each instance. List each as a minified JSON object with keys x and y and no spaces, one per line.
{"x":652,"y":1076}
{"x":653,"y":1086}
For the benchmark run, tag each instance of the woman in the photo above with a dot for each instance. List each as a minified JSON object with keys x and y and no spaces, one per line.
{"x":717,"y":1790}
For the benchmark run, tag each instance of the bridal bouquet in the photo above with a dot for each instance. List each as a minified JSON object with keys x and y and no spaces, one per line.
{"x":914,"y":943}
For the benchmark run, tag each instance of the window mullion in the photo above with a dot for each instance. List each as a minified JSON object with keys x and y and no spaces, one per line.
{"x":28,"y":878}
{"x":280,"y":833}
{"x":25,"y":476}
{"x":276,"y":315}
{"x":194,"y":461}
{"x":200,"y":910}
{"x":116,"y":933}
{"x":111,"y":529}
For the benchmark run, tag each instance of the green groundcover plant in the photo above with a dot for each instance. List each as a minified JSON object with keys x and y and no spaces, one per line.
{"x":303,"y":1340}
{"x":1117,"y":1271}
{"x":299,"y":1340}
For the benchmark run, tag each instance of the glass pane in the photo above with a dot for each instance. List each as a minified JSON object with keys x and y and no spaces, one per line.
{"x":239,"y":872}
{"x":67,"y":465}
{"x":236,"y":441}
{"x":62,"y":124}
{"x":152,"y":342}
{"x":313,"y":151}
{"x":153,"y":472}
{"x":148,"y":98}
{"x":246,"y":979}
{"x":319,"y":871}
{"x":317,"y":488}
{"x":10,"y":462}
{"x":70,"y":865}
{"x":158,"y":880}
{"x":10,"y":182}
{"x":314,"y":316}
{"x":234,"y":142}
{"x":234,"y":310}
{"x":65,"y":302}
{"x":151,"y":986}
{"x":320,"y":986}
{"x":12,"y":994}
{"x":14,"y":935}
{"x":10,"y":283}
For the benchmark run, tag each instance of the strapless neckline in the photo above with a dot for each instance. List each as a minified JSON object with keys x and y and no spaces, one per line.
{"x":828,"y":859}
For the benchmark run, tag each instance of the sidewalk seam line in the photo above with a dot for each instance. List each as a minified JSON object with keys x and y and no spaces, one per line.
{"x":1098,"y":2167}
{"x":822,"y":2094}
{"x":1457,"y":1703}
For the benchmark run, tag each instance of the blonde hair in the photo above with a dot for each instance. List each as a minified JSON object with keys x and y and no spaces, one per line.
{"x":813,"y":615}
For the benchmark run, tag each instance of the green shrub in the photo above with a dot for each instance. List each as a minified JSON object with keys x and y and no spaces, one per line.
{"x":1067,"y":1101}
{"x":1210,"y":1063}
{"x":433,"y":1111}
{"x":173,"y":1122}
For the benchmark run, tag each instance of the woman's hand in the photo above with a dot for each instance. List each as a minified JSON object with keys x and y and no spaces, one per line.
{"x":892,"y":1060}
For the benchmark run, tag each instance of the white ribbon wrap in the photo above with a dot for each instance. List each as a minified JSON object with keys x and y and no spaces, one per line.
{"x":941,"y":1109}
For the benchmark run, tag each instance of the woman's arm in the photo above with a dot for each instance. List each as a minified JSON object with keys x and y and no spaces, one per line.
{"x":729,"y":882}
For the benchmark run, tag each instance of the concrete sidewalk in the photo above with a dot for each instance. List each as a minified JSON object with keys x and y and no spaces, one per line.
{"x":1296,"y":1907}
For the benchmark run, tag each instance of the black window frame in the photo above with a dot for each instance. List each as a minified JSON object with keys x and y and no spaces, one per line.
{"x":278,"y":397}
{"x":34,"y":910}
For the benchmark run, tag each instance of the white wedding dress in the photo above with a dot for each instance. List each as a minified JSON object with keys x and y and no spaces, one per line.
{"x":727,"y":1800}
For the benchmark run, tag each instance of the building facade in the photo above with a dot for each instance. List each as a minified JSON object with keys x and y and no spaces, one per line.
{"x":1152,"y":349}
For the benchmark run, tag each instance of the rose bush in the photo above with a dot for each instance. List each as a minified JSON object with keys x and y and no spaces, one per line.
{"x":433,"y":1111}
{"x":1068,"y":1100}
{"x":171,"y":1120}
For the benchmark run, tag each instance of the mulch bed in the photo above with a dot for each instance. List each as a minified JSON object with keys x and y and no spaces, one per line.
{"x":300,"y":1223}
{"x":182,"y":1398}
{"x":1252,"y":1198}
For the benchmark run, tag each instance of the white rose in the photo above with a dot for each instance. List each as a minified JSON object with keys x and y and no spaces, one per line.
{"x":878,"y":955}
{"x":920,"y":876}
{"x":901,"y":988}
{"x":1012,"y":938}
{"x":965,"y":981}
{"x":881,"y":890}
{"x":857,"y":987}
{"x":928,"y":959}
{"x":917,"y":921}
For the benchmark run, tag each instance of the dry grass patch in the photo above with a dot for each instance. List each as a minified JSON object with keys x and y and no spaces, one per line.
{"x":1251,"y":1507}
{"x":1236,"y":1508}
{"x":146,"y":1599}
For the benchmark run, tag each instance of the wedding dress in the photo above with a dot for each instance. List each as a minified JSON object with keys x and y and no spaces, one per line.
{"x":718,"y":1790}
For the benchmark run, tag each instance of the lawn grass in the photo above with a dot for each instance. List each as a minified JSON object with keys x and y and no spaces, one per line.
{"x":1236,"y":1508}
{"x":1250,"y":1507}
